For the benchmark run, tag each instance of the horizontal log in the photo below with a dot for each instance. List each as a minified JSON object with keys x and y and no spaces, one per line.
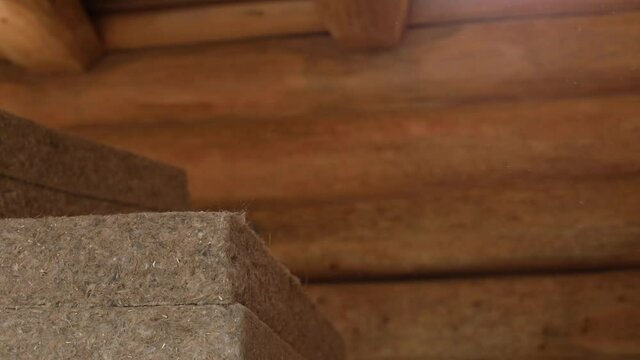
{"x":107,"y":6}
{"x":549,"y":184}
{"x":528,"y":226}
{"x":207,"y":21}
{"x":392,"y":153}
{"x":569,"y":317}
{"x":431,"y":12}
{"x":286,"y":78}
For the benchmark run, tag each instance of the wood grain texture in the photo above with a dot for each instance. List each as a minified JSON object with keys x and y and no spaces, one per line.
{"x":526,"y":226}
{"x":111,"y":6}
{"x":287,"y":78}
{"x":547,"y":184}
{"x":197,"y":24}
{"x":553,"y":317}
{"x":365,"y":24}
{"x":175,"y":22}
{"x":432,"y":12}
{"x":392,"y":153}
{"x":47,"y":36}
{"x":122,"y":6}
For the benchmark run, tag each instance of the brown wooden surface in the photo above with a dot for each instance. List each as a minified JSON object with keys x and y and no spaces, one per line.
{"x":284,"y":78}
{"x":481,"y":187}
{"x":208,"y":22}
{"x":364,"y":24}
{"x":531,"y":225}
{"x":107,"y":6}
{"x":450,"y":11}
{"x":47,"y":36}
{"x":458,"y":116}
{"x":172,"y":22}
{"x":362,"y":155}
{"x":559,"y":317}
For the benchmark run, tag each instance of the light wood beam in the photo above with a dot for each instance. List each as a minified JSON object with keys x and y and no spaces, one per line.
{"x":219,"y":22}
{"x":513,"y":226}
{"x":105,"y":6}
{"x":310,"y":76}
{"x":391,"y":153}
{"x":47,"y":35}
{"x":514,"y":186}
{"x":198,"y":24}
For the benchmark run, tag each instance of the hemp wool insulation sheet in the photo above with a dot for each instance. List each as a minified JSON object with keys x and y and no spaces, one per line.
{"x":46,"y":173}
{"x":220,"y":332}
{"x":158,"y":259}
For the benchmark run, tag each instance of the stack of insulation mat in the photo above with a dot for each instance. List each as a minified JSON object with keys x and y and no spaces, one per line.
{"x":151,"y":286}
{"x":43,"y":172}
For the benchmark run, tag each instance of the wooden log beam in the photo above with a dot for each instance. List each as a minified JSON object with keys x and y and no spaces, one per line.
{"x":198,"y":24}
{"x":47,"y":36}
{"x":569,"y":317}
{"x":203,"y":22}
{"x":391,"y":153}
{"x":365,"y":24}
{"x":310,"y":77}
{"x":106,"y":6}
{"x":524,"y":225}
{"x":549,"y":184}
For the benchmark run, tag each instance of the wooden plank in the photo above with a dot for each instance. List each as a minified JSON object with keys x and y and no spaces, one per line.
{"x":198,"y":24}
{"x":365,"y":24}
{"x":569,"y":317}
{"x":392,"y":153}
{"x":204,"y":21}
{"x":47,"y":36}
{"x":549,"y":184}
{"x":106,"y":6}
{"x":522,"y":226}
{"x":431,"y":12}
{"x":304,"y":77}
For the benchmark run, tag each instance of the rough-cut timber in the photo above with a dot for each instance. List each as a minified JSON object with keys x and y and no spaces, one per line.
{"x":158,"y":259}
{"x":549,"y":183}
{"x":392,"y":153}
{"x":180,"y":22}
{"x":365,"y":24}
{"x":439,"y":12}
{"x":530,"y":225}
{"x":125,"y":6}
{"x":47,"y":35}
{"x":44,"y":172}
{"x":549,"y":317}
{"x":216,"y":332}
{"x":311,"y":76}
{"x":207,"y":22}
